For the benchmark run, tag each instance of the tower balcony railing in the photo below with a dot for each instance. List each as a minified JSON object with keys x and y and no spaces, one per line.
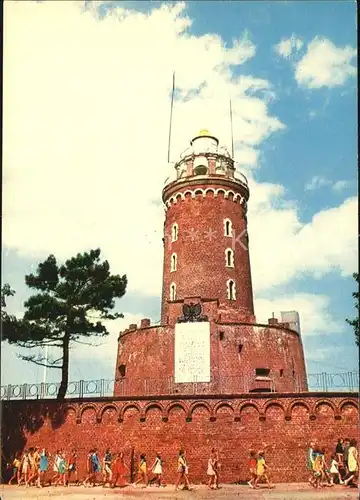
{"x":130,"y":387}
{"x":240,"y":177}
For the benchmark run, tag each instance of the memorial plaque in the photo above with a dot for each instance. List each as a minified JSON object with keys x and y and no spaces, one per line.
{"x":192,"y":352}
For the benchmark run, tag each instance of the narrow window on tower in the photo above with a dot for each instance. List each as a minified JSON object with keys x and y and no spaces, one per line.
{"x":229,"y":257}
{"x":172,"y":291}
{"x":231,"y":291}
{"x":174,"y":232}
{"x":227,"y":227}
{"x":173,"y":262}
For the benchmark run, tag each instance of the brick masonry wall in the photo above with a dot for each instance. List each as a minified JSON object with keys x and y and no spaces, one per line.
{"x":149,"y":353}
{"x":201,"y":269}
{"x":233,"y":425}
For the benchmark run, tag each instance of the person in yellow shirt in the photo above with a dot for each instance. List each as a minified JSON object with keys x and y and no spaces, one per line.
{"x":318,"y":468}
{"x":34,"y":465}
{"x":142,"y":471}
{"x":352,"y":463}
{"x":16,"y":468}
{"x":262,"y":470}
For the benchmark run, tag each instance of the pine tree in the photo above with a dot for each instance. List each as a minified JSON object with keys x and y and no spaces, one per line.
{"x":71,"y":302}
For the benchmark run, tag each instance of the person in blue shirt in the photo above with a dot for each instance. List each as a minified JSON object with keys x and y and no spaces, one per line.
{"x":94,"y":467}
{"x":44,"y":464}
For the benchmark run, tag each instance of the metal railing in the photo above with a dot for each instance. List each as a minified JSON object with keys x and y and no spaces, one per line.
{"x":317,"y":382}
{"x":347,"y":381}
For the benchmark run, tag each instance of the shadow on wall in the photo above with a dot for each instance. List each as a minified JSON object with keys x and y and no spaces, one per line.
{"x":19,"y":420}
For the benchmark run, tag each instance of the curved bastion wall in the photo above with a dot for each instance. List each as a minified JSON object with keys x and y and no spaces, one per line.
{"x":239,"y":355}
{"x":233,"y":425}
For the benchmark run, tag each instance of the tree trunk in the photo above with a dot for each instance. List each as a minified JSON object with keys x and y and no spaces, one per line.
{"x":64,"y":369}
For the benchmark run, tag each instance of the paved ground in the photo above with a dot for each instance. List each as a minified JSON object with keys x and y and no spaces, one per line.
{"x":227,"y":492}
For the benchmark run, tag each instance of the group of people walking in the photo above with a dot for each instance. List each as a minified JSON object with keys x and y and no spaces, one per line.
{"x":343,"y":467}
{"x":32,"y":468}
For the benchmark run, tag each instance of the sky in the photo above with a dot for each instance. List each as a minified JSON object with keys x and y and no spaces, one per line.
{"x":87,"y":89}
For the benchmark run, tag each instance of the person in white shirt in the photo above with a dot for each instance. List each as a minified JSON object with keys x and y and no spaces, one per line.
{"x":334,"y":470}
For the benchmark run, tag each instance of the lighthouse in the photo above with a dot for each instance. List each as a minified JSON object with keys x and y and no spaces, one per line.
{"x":209,"y":334}
{"x":206,"y":243}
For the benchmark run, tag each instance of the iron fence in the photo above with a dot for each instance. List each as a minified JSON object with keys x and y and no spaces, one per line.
{"x":316,"y":382}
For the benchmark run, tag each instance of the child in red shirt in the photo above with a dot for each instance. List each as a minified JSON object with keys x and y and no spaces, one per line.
{"x":252,"y":468}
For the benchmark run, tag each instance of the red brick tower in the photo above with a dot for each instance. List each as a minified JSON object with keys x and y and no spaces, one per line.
{"x":208,"y":333}
{"x":205,"y":231}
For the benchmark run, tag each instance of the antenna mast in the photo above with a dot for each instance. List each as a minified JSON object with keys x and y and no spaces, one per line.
{"x":171,"y":111}
{"x":232,"y":133}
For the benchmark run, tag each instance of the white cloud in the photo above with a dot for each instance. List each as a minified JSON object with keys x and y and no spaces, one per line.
{"x":318,"y":182}
{"x":315,"y":315}
{"x":86,"y":107}
{"x":287,"y":46}
{"x":325,"y":65}
{"x":340,"y":185}
{"x":283,"y":248}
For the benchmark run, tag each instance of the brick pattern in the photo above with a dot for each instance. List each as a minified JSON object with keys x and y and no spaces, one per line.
{"x":200,"y":250}
{"x":232,"y":425}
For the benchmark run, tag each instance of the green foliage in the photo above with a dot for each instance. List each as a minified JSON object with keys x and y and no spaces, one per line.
{"x":6,"y":291}
{"x":355,"y":322}
{"x":71,"y":302}
{"x":8,"y":321}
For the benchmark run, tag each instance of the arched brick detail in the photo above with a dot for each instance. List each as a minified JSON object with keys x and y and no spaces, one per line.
{"x":199,"y":191}
{"x":176,"y":404}
{"x":239,"y":197}
{"x":127,"y":407}
{"x":220,"y":190}
{"x":274,"y":403}
{"x":348,"y":402}
{"x":198,"y":404}
{"x":72,"y":408}
{"x":298,"y":402}
{"x":226,"y":194}
{"x":155,"y":404}
{"x":325,"y":402}
{"x":222,"y":404}
{"x":88,"y":406}
{"x":293,"y":404}
{"x":103,"y":409}
{"x":247,"y":405}
{"x":188,"y":191}
{"x":75,"y":409}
